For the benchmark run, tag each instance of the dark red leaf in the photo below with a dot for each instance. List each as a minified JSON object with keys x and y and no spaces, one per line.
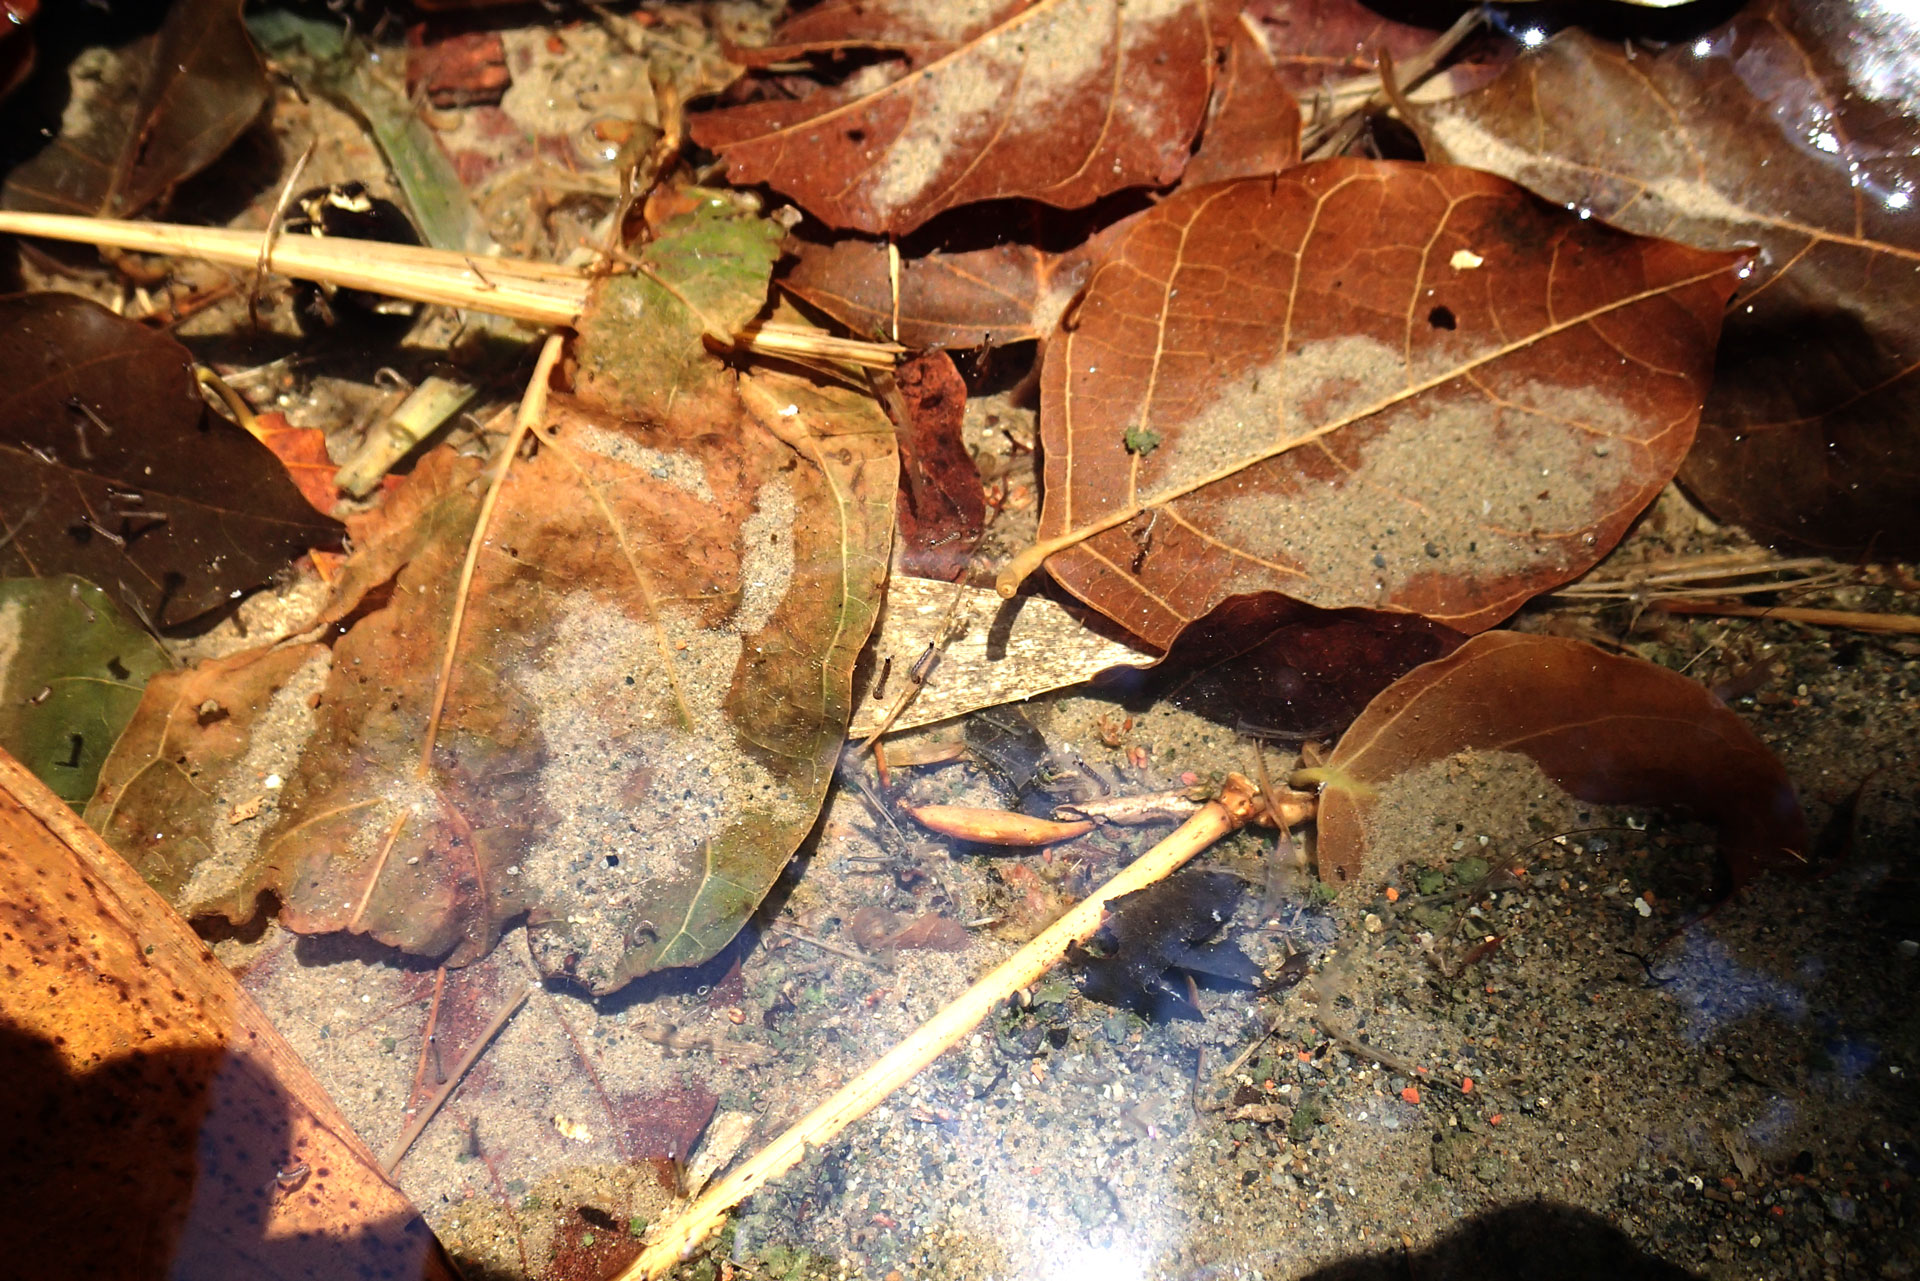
{"x":1060,"y":101}
{"x":941,"y":508}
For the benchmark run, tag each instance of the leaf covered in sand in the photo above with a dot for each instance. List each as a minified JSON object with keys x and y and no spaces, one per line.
{"x":1774,"y":130}
{"x":652,"y":681}
{"x":1607,"y":729}
{"x":1060,"y":101}
{"x":1400,"y":386}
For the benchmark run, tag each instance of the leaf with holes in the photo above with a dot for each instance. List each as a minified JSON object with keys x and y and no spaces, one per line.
{"x":71,"y":669}
{"x":116,"y":471}
{"x":1060,"y":101}
{"x":1400,"y":386}
{"x":1754,"y":134}
{"x":1607,"y":729}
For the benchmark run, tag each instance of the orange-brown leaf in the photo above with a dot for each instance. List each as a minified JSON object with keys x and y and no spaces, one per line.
{"x":1607,"y":729}
{"x":1754,"y":134}
{"x":1402,"y":386}
{"x":144,"y":1085}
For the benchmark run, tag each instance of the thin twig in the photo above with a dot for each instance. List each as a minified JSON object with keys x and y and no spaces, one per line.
{"x":902,"y":1063}
{"x":394,"y":1154}
{"x":272,"y":233}
{"x":533,"y":406}
{"x":1858,"y":620}
{"x":825,"y":946}
{"x":427,"y":1041}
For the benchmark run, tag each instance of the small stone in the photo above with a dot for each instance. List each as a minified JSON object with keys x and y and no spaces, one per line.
{"x":1374,"y":924}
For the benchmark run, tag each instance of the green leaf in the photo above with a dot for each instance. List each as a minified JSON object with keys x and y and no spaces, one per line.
{"x":703,"y":277}
{"x":71,"y":670}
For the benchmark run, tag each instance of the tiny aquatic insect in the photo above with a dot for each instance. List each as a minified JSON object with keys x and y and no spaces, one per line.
{"x":289,"y":1178}
{"x":348,"y":209}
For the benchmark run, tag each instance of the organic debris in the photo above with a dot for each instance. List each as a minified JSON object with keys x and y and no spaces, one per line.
{"x":1155,"y":932}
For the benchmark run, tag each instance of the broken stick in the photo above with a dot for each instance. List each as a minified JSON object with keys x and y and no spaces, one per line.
{"x":901,"y":1064}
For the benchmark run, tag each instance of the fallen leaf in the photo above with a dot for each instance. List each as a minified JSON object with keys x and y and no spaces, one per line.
{"x":117,"y":471}
{"x":1159,"y":929}
{"x":171,"y":105}
{"x":71,"y":669}
{"x":1060,"y":101}
{"x":650,"y":687}
{"x":1754,"y":134}
{"x":1607,"y":729}
{"x":988,"y":297}
{"x":1253,"y":122}
{"x":995,"y":651}
{"x":156,"y":1091}
{"x":1314,"y":42}
{"x":1362,"y":383}
{"x":941,"y":507}
{"x":1273,"y":667}
{"x":303,"y":452}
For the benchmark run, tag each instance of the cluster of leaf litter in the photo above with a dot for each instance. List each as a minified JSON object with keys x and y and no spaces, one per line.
{"x":1352,"y":410}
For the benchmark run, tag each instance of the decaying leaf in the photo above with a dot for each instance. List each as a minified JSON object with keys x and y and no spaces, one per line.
{"x":1607,"y":729}
{"x":971,"y":298}
{"x":115,"y":469}
{"x":71,"y":669}
{"x":941,"y":508}
{"x":1782,"y":130}
{"x":1400,"y":386}
{"x":1273,"y":667}
{"x":1160,"y":929}
{"x":144,"y":1086}
{"x":991,"y":651}
{"x":1061,"y":101}
{"x":176,"y":102}
{"x":1253,"y":122}
{"x":1317,"y":41}
{"x":650,"y":688}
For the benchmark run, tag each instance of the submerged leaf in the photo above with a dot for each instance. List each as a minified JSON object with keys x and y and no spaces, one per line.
{"x":1401,"y":386}
{"x":153,"y":1088}
{"x":972,"y":298}
{"x":1607,"y":729}
{"x":1161,"y":929}
{"x":177,"y":102}
{"x":1061,"y":101}
{"x":942,"y":507}
{"x":1253,"y":122}
{"x":1774,"y":130}
{"x":71,"y":669}
{"x":115,"y":469}
{"x":650,"y":687}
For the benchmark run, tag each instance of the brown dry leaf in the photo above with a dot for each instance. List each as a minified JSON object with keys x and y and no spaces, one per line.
{"x":1400,"y":386}
{"x":1060,"y":101}
{"x":173,"y":103}
{"x":1772,"y":130}
{"x":1317,"y":41}
{"x":941,"y":507}
{"x":1253,"y":123}
{"x":975,"y":298}
{"x":115,"y":469}
{"x":1607,"y":729}
{"x":158,"y":1095}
